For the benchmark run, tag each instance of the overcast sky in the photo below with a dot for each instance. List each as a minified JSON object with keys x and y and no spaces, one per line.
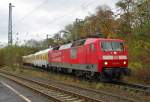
{"x":33,"y":19}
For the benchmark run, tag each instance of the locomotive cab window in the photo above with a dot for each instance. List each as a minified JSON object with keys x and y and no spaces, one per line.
{"x":112,"y":46}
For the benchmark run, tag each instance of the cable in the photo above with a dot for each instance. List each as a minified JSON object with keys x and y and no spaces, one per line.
{"x":36,"y":8}
{"x":56,"y":19}
{"x":88,"y":3}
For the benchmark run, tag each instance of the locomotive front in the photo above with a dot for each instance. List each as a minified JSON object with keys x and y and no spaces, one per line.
{"x":114,"y":61}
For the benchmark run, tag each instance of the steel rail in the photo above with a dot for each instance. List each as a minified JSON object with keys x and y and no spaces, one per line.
{"x":76,"y":94}
{"x":54,"y":93}
{"x":122,"y":85}
{"x":136,"y":87}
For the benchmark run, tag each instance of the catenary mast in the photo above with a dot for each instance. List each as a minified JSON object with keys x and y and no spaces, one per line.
{"x":10,"y":39}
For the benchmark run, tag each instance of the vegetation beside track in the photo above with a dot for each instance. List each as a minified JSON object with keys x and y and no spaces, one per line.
{"x":12,"y":55}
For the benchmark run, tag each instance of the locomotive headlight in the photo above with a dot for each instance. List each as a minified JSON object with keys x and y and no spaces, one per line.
{"x":124,"y":62}
{"x":105,"y":63}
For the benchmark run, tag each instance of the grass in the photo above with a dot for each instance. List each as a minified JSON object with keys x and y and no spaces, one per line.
{"x":67,"y":79}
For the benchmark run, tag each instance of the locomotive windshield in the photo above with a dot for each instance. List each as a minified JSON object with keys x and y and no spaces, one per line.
{"x":112,"y":46}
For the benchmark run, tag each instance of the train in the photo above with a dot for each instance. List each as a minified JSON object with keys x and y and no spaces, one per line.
{"x":100,"y":58}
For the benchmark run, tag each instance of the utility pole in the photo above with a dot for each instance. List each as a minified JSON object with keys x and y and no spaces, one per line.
{"x":17,"y":38}
{"x":47,"y":39}
{"x":10,"y":40}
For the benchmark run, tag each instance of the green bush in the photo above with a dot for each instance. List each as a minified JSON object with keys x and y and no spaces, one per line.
{"x":139,"y":52}
{"x":12,"y":55}
{"x":2,"y":62}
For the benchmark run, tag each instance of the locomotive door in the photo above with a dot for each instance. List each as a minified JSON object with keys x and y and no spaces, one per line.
{"x":88,"y":56}
{"x":91,"y":54}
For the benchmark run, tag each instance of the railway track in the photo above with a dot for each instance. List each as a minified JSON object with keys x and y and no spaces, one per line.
{"x":54,"y":93}
{"x":138,"y":88}
{"x":61,"y":95}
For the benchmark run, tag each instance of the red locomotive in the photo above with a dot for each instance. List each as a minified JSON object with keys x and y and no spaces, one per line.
{"x":91,"y":57}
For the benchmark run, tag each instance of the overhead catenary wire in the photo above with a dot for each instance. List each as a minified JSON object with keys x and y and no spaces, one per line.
{"x":59,"y":18}
{"x":85,"y":3}
{"x":56,"y":19}
{"x":89,"y":3}
{"x":32,"y":11}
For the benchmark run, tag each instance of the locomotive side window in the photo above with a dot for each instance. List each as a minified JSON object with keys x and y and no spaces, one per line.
{"x":92,"y":48}
{"x":73,"y":53}
{"x":112,"y":46}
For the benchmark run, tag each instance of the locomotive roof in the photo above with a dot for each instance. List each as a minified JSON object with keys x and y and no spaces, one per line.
{"x":84,"y":42}
{"x":76,"y":43}
{"x":109,"y":39}
{"x":92,"y":40}
{"x":65,"y":46}
{"x":104,"y":39}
